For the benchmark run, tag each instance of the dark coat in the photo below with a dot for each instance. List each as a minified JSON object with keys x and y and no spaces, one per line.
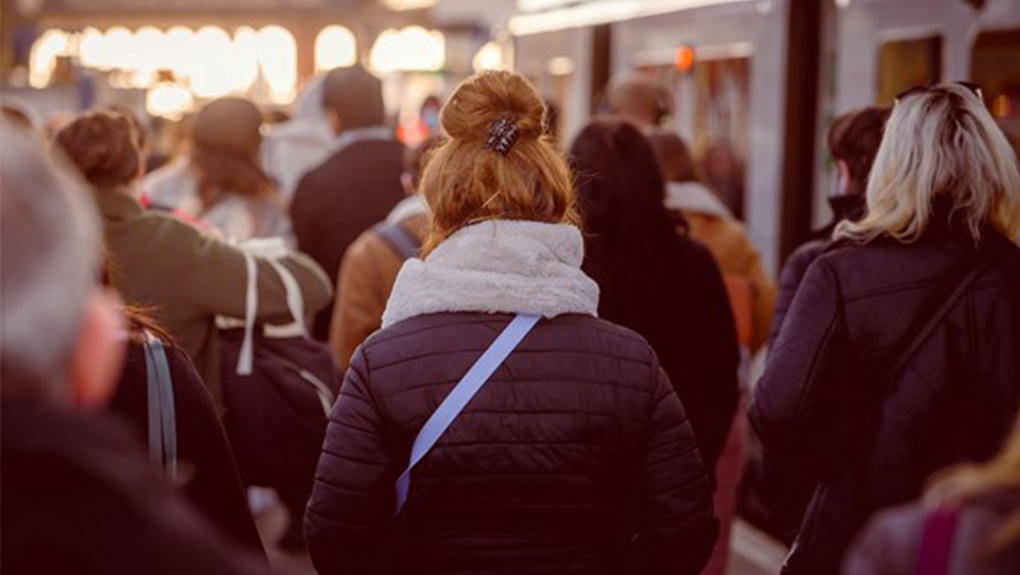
{"x":793,"y":273}
{"x":80,"y":497}
{"x":679,"y":304}
{"x":891,"y":543}
{"x":855,"y":313}
{"x":573,"y":459}
{"x":848,"y":207}
{"x":349,"y":193}
{"x":206,"y":463}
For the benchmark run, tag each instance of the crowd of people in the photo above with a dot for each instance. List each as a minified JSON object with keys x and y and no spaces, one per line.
{"x":486,"y":353}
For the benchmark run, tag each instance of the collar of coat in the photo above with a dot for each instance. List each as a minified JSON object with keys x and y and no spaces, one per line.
{"x":695,"y":198}
{"x":117,"y":204}
{"x":498,"y":267}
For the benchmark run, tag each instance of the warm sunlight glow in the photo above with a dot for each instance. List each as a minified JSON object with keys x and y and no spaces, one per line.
{"x":43,"y":58}
{"x":276,"y":52}
{"x":335,"y":47}
{"x":409,"y":49}
{"x":168,"y":100}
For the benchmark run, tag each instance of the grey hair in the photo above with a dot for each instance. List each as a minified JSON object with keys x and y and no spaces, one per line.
{"x":49,"y":251}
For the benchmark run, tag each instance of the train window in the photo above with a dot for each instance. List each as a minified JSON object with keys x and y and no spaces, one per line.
{"x":721,"y":120}
{"x":995,"y":66}
{"x":903,"y":64}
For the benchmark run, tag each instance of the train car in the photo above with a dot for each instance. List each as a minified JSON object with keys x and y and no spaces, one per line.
{"x":743,"y":80}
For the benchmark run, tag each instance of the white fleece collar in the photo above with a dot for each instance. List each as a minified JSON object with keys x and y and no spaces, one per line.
{"x":696,"y":198}
{"x":498,"y":267}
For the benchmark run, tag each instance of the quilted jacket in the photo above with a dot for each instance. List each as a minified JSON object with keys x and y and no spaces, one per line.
{"x":816,"y":408}
{"x":576,"y":457}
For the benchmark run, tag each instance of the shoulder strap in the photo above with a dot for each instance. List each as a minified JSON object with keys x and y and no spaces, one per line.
{"x":400,"y":239}
{"x":246,"y":356}
{"x":161,"y":408}
{"x":462,"y":393}
{"x":935,"y":552}
{"x":935,"y":321}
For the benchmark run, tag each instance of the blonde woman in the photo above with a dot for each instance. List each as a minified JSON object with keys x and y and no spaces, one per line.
{"x":575,"y":457}
{"x":975,"y":507}
{"x":901,"y":351}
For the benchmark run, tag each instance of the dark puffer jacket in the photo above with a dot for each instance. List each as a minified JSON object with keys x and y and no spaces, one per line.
{"x":575,"y":458}
{"x":855,"y":313}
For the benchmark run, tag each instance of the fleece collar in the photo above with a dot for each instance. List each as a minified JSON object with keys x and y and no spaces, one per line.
{"x":694,"y":197}
{"x":498,"y":267}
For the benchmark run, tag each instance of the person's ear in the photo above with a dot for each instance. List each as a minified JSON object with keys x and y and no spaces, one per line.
{"x":844,"y":173}
{"x":334,"y":121}
{"x":407,"y":182}
{"x":98,"y":355}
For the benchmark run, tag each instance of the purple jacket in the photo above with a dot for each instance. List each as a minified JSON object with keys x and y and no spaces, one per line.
{"x":891,"y":543}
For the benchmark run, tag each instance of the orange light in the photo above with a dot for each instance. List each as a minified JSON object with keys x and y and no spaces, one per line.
{"x":1001,"y":106}
{"x":684,"y":58}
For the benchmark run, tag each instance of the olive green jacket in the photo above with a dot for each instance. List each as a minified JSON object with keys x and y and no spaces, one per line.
{"x":184,"y":279}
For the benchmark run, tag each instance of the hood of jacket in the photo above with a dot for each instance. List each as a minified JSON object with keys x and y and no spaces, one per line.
{"x":498,"y":267}
{"x":696,"y":198}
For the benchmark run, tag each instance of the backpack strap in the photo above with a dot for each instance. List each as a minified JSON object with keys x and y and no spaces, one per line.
{"x":162,"y":428}
{"x":246,"y":357}
{"x":935,"y":551}
{"x":405,"y":244}
{"x":933,"y":323}
{"x":462,"y":393}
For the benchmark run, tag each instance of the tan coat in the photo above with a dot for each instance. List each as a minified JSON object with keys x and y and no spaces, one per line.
{"x":363,"y":286}
{"x":185,"y":279}
{"x":738,"y":260}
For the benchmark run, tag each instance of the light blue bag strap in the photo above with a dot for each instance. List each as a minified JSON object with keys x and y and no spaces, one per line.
{"x":161,"y":408}
{"x":461,"y":394}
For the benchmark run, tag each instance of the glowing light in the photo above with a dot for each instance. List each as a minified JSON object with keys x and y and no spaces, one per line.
{"x":335,"y":47}
{"x":684,"y":58}
{"x":168,"y":100}
{"x":489,"y":57}
{"x":90,"y":48}
{"x":180,"y":40}
{"x":401,"y":5}
{"x":245,"y":59}
{"x":409,"y":49}
{"x":1002,"y":106}
{"x":42,"y":60}
{"x":214,"y":74}
{"x":206,"y":64}
{"x":561,"y":66}
{"x":117,"y":46}
{"x":276,"y":53}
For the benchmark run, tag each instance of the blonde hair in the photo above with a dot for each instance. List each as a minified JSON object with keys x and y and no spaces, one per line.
{"x":464,"y":182}
{"x":969,"y":481}
{"x":940,"y":143}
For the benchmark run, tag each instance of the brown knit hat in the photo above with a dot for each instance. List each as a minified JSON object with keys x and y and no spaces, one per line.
{"x":229,"y":125}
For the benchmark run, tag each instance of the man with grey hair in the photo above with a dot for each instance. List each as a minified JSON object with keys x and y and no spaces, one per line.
{"x":78,"y":493}
{"x":637,"y":99}
{"x":48,"y":290}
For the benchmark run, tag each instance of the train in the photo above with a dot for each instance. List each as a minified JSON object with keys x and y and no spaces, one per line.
{"x":746,"y":74}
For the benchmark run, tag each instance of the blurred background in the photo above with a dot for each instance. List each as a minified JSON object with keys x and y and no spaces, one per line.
{"x":753,"y":83}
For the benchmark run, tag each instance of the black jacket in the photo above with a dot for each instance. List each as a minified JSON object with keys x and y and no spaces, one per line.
{"x":849,"y":207}
{"x":350,"y":192}
{"x":815,"y":408}
{"x":793,"y":273}
{"x":575,"y":457}
{"x":206,"y":463}
{"x":79,"y":497}
{"x":679,"y":304}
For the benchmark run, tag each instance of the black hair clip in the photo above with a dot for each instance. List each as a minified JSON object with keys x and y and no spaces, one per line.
{"x":503,"y":134}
